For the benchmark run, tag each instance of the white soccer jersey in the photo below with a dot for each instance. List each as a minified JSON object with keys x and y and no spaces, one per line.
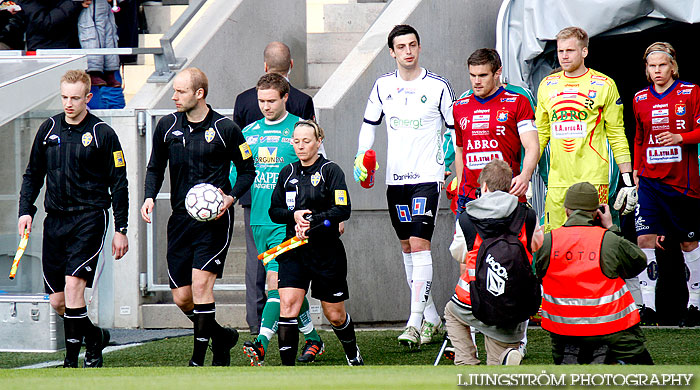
{"x":415,"y":111}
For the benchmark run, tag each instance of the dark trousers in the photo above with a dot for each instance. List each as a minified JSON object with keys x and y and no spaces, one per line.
{"x":255,"y":297}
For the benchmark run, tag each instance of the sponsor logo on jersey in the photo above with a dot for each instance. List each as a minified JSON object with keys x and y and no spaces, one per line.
{"x":482,"y":144}
{"x":315,"y":179}
{"x":478,"y":160}
{"x":268,"y":155}
{"x":407,"y":176}
{"x":398,"y":123}
{"x":641,"y":97}
{"x":209,"y":135}
{"x":482,"y":111}
{"x":265,"y":180}
{"x":683,"y":92}
{"x":480,"y":132}
{"x":570,"y":91}
{"x":290,"y":198}
{"x":663,"y":112}
{"x":286,"y":140}
{"x":463,"y":122}
{"x":423,"y":99}
{"x":656,"y":121}
{"x":481,"y":118}
{"x":508,"y":100}
{"x":618,"y":101}
{"x":552,"y":82}
{"x":599,"y":77}
{"x":389,"y":97}
{"x":569,"y":115}
{"x":502,"y":115}
{"x":480,"y":125}
{"x":294,"y":181}
{"x":680,"y":109}
{"x":252,"y":139}
{"x":419,"y":206}
{"x":341,"y":197}
{"x":660,"y":105}
{"x":664,"y":154}
{"x":569,"y":129}
{"x":407,"y":91}
{"x":177,"y":133}
{"x":245,"y":151}
{"x":119,"y":159}
{"x":274,"y":131}
{"x":680,"y":124}
{"x":661,"y":127}
{"x":270,"y":138}
{"x":597,"y":83}
{"x":465,"y":101}
{"x":592,"y":93}
{"x":428,"y":213}
{"x":86,"y":139}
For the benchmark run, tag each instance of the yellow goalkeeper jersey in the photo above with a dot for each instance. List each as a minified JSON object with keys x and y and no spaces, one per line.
{"x":576,"y":115}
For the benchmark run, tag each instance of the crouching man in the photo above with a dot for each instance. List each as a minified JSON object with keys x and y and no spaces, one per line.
{"x":495,"y":232}
{"x":587,"y":307}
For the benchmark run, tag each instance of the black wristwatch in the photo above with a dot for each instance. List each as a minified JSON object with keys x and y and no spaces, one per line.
{"x":122,"y":230}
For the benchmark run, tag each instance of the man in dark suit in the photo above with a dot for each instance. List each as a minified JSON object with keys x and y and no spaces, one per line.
{"x":278,"y":60}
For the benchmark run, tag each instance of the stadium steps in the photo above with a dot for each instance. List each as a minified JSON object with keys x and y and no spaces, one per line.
{"x":159,"y":17}
{"x":334,"y":27}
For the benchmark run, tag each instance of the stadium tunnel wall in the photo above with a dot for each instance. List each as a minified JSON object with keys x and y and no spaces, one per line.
{"x":450,"y":30}
{"x":226,"y":40}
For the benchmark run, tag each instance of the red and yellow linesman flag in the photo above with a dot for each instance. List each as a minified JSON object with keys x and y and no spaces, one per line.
{"x":20,"y":251}
{"x":290,"y":244}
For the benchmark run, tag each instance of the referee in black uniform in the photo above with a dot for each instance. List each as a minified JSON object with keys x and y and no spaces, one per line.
{"x":309,"y":192}
{"x":246,"y":110}
{"x":199,"y":144}
{"x":83,"y":163}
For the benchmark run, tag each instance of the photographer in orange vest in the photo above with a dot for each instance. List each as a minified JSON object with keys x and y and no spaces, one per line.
{"x":586,"y":306}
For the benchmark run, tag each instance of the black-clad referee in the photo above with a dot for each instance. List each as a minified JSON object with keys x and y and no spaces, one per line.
{"x":199,"y":144}
{"x":85,"y":171}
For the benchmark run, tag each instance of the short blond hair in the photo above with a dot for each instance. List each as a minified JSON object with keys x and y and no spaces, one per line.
{"x":663,"y":47}
{"x":198,"y":80}
{"x":77,"y":76}
{"x":574,"y":32}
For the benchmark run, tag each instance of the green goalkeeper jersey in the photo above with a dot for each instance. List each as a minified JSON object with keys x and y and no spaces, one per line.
{"x":272,"y":149}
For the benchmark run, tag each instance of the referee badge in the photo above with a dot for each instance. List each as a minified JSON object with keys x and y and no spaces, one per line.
{"x":245,"y":151}
{"x":209,"y":135}
{"x":315,"y":179}
{"x":341,"y":198}
{"x":119,"y":159}
{"x":87,"y":139}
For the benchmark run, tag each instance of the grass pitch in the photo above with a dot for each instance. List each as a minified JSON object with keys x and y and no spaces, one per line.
{"x":160,"y":365}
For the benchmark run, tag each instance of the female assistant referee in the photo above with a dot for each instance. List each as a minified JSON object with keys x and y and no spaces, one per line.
{"x":309,"y":192}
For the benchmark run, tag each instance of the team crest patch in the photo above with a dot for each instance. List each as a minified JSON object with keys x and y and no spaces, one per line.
{"x":118,"y":159}
{"x":341,"y":198}
{"x":315,"y":179}
{"x":87,"y":139}
{"x":209,"y":135}
{"x":680,"y":109}
{"x":245,"y":151}
{"x":423,"y":99}
{"x":502,"y":115}
{"x":592,"y":93}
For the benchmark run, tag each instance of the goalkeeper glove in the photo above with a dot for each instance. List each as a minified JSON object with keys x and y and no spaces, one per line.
{"x":360,"y":171}
{"x":626,"y":199}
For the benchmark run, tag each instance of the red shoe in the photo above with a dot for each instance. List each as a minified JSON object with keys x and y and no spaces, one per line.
{"x":111,"y":80}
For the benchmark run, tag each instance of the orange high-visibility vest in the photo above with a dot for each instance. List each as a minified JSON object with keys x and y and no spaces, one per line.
{"x":578,"y":299}
{"x":462,"y":288}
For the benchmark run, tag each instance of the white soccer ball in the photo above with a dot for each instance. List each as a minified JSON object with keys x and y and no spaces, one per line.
{"x":203,"y":202}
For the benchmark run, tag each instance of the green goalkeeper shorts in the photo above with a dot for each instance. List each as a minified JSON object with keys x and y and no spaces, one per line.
{"x":266,"y":237}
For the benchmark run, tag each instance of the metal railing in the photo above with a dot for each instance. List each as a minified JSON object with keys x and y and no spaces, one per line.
{"x":163,"y":56}
{"x":151,"y":228}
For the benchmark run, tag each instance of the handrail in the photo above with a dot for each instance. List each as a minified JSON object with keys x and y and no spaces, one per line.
{"x":163,"y":56}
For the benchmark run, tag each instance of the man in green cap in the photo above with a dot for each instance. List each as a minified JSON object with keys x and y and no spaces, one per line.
{"x":586,"y":306}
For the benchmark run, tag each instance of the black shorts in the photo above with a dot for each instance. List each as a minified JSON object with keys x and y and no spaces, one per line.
{"x":413,"y":209}
{"x":325,"y":267}
{"x":663,"y":210}
{"x":71,"y":247}
{"x":193,"y":244}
